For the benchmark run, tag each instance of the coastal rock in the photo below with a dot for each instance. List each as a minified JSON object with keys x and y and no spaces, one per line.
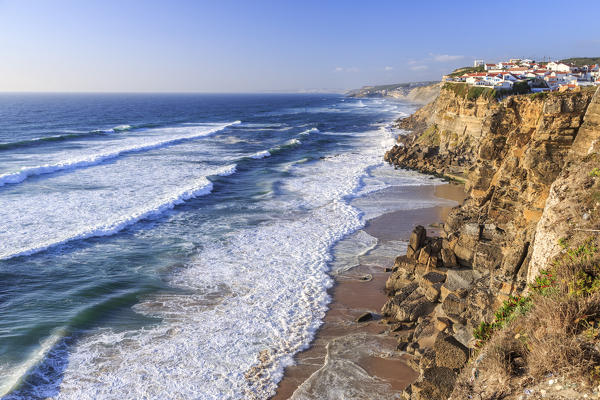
{"x":449,"y":352}
{"x":417,"y":237}
{"x":437,"y":384}
{"x":453,"y":305}
{"x":448,"y":258}
{"x":365,"y":317}
{"x":416,"y":305}
{"x":530,"y":166}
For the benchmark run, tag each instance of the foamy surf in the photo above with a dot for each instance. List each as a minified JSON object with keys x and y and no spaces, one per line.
{"x":154,"y":208}
{"x":15,"y":376}
{"x":90,"y":160}
{"x":309,"y":131}
{"x":247,"y":268}
{"x":261,"y":154}
{"x":276,"y":273}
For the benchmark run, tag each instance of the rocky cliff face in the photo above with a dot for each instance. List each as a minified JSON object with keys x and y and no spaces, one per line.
{"x":509,"y":153}
{"x":526,"y":161}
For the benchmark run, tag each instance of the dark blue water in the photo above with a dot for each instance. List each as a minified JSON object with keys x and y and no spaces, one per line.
{"x":166,"y":245}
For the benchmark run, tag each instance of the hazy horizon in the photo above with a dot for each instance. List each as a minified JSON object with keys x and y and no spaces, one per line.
{"x":264,"y":46}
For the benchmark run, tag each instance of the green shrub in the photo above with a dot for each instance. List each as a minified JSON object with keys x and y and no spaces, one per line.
{"x":512,"y":308}
{"x":459,"y":89}
{"x":476,"y":92}
{"x":521,"y":88}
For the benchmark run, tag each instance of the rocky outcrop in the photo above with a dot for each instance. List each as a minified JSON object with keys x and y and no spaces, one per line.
{"x":530,"y":164}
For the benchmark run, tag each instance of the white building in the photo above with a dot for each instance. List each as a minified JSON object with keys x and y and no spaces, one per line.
{"x":561,"y":67}
{"x":478,"y":63}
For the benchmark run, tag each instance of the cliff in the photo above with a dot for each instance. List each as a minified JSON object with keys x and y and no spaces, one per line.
{"x":415,"y":92}
{"x":530,"y":167}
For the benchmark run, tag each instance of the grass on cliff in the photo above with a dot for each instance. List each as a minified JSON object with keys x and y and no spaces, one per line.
{"x":554,"y":329}
{"x":471,"y":92}
{"x":466,"y":70}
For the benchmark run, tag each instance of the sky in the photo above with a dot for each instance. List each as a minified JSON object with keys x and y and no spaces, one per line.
{"x":278,"y":45}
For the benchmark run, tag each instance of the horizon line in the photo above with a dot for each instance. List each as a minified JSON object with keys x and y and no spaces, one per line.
{"x":299,"y":91}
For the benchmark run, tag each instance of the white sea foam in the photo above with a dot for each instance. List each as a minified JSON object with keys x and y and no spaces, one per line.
{"x":292,"y":142}
{"x":16,"y":374}
{"x":94,"y":159}
{"x":261,"y":154}
{"x":120,"y":128}
{"x":226,"y":171}
{"x":309,"y":131}
{"x":271,"y":282}
{"x":70,"y":219}
{"x":251,"y":301}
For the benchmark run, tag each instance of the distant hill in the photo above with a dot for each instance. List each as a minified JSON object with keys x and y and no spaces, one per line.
{"x":579,"y":61}
{"x":387,"y":90}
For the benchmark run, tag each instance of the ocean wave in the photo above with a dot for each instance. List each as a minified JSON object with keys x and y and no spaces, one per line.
{"x":65,"y":136}
{"x":200,"y":187}
{"x":292,"y":142}
{"x":194,"y":341}
{"x":16,"y":375}
{"x":26,"y":172}
{"x":261,"y":154}
{"x":226,"y":170}
{"x":309,"y":131}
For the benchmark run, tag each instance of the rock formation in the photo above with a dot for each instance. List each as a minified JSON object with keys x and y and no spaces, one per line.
{"x":526,"y":162}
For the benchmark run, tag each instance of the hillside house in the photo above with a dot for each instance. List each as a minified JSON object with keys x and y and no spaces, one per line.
{"x":561,"y":67}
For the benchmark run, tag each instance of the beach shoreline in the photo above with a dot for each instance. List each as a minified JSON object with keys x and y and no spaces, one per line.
{"x":362,"y":356}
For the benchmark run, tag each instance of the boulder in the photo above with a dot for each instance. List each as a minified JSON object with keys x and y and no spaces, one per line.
{"x":424,"y":255}
{"x":453,"y":305}
{"x":432,"y":292}
{"x":416,"y":305}
{"x":365,"y":317}
{"x":437,"y":384}
{"x":464,"y":253}
{"x":448,"y":258}
{"x":431,"y":284}
{"x":449,"y":352}
{"x":417,"y":237}
{"x":464,"y":334}
{"x":441,"y":323}
{"x":457,"y":281}
{"x":390,"y":307}
{"x":432,"y":278}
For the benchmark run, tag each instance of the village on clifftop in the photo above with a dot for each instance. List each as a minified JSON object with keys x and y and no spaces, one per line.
{"x":539,"y":76}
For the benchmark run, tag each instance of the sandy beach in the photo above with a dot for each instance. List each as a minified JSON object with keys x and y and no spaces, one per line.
{"x":361,"y":358}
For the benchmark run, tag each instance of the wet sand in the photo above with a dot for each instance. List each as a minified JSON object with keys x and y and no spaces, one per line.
{"x":368,"y":349}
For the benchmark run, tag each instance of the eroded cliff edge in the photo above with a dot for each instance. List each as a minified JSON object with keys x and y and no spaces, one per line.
{"x":530,"y":166}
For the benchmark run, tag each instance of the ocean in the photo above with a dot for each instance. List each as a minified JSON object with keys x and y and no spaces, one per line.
{"x":179,"y":246}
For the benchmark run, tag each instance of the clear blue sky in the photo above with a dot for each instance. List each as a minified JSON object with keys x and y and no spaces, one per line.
{"x":255,"y":45}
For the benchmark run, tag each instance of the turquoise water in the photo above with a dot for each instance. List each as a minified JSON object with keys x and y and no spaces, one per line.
{"x":175,"y":246}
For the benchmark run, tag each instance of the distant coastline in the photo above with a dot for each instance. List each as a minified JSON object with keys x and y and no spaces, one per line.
{"x":414,"y":92}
